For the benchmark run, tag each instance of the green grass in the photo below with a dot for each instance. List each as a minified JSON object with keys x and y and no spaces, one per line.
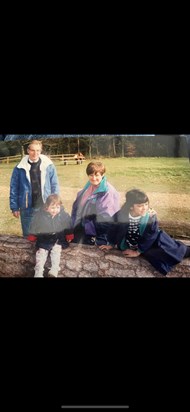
{"x":166,"y":180}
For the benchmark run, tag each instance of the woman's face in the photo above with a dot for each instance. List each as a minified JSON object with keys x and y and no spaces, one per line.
{"x":95,"y":178}
{"x":139,"y":209}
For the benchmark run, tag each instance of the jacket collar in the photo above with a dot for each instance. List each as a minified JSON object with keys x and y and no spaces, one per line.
{"x":143,"y":223}
{"x":45,"y":161}
{"x":103,"y":186}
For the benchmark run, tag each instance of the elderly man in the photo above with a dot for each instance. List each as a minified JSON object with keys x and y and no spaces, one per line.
{"x":32,"y":181}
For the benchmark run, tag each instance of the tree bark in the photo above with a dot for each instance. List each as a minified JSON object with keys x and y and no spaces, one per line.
{"x":17,"y":259}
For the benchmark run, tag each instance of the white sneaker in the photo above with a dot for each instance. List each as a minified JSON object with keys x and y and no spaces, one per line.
{"x":53,"y":273}
{"x":37,"y":275}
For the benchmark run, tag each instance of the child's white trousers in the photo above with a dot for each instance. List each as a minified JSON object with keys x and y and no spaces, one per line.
{"x":41,"y":257}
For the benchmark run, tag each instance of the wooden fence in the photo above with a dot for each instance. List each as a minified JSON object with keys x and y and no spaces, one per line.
{"x":65,"y":158}
{"x":9,"y":159}
{"x":76,"y":158}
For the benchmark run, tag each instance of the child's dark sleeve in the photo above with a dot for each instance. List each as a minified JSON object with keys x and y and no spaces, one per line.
{"x":149,"y":236}
{"x":66,"y":234}
{"x":33,"y":229}
{"x":68,"y":227}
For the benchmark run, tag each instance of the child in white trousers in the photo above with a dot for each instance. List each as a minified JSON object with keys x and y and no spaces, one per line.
{"x":51,"y":228}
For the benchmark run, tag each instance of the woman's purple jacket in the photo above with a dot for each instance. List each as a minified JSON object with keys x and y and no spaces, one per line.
{"x":97,"y":211}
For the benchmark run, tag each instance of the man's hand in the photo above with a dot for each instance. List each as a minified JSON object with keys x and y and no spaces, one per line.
{"x":16,"y":214}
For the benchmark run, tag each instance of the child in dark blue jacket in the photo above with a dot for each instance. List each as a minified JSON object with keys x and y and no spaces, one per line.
{"x":135,"y":231}
{"x":51,"y":228}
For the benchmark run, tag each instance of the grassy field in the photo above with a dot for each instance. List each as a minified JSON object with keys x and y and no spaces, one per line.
{"x":166,"y":181}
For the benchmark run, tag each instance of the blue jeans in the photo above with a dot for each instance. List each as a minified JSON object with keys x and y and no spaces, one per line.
{"x":26,"y":217}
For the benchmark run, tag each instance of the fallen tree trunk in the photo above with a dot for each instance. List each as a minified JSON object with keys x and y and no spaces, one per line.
{"x":17,"y":259}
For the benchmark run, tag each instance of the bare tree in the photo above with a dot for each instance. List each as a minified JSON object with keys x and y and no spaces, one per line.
{"x":113,"y":145}
{"x":122,"y":146}
{"x":90,"y":147}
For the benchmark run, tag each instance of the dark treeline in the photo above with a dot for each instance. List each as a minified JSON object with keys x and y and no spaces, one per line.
{"x":105,"y":146}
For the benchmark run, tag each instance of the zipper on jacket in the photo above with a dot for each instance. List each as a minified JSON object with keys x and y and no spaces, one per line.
{"x":26,"y":200}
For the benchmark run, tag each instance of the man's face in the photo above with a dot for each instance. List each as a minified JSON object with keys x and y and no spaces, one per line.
{"x":34,"y":152}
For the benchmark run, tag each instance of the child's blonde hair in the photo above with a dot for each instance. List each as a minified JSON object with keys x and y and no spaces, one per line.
{"x":53,"y":200}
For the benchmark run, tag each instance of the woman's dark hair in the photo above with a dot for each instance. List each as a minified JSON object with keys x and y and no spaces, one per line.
{"x":134,"y":196}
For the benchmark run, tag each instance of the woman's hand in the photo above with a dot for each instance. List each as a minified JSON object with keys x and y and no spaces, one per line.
{"x":131,"y":253}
